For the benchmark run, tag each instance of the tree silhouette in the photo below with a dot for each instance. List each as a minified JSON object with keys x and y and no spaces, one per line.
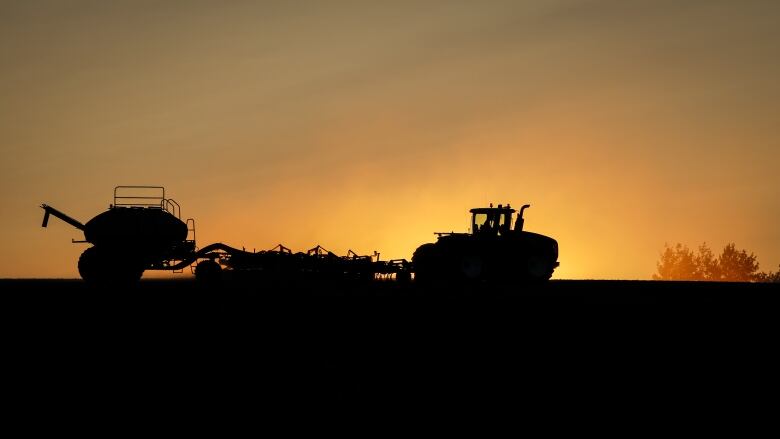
{"x":706,"y":263}
{"x":770,"y":277}
{"x":737,"y":266}
{"x":677,"y":263}
{"x":732,"y":265}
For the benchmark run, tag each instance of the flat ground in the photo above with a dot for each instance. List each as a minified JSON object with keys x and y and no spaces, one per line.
{"x":337,"y":343}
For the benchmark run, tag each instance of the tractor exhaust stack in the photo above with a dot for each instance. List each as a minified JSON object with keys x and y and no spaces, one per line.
{"x":520,"y":220}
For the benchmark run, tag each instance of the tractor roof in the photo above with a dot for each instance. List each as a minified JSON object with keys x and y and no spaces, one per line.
{"x":492,"y":210}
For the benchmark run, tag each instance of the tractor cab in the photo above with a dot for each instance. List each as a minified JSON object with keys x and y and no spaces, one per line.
{"x":496,"y":221}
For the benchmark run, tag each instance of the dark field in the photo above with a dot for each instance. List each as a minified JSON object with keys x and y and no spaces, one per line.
{"x":329,"y":344}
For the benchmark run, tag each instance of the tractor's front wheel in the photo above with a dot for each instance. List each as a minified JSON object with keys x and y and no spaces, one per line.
{"x":539,"y":270}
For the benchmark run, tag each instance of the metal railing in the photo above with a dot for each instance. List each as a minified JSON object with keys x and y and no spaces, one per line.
{"x":152,"y":197}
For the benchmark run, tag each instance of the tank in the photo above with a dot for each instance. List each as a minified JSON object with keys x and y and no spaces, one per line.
{"x":144,"y":228}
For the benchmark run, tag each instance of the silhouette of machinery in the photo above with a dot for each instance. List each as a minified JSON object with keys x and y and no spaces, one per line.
{"x":142,"y":230}
{"x":494,"y":250}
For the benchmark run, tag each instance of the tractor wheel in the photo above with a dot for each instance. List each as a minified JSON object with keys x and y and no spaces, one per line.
{"x":403,"y":277}
{"x":426,"y":263}
{"x":471,"y":267}
{"x":538,"y":270}
{"x":208,"y":272}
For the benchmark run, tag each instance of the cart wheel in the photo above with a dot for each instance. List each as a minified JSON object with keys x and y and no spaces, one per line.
{"x":208,"y":272}
{"x":109,"y":268}
{"x":90,"y":265}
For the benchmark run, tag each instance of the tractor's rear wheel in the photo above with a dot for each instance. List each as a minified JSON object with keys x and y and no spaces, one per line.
{"x":403,"y":277}
{"x":471,"y":267}
{"x":426,"y":263}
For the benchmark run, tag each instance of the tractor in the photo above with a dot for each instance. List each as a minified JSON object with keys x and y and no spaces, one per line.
{"x":141,"y":230}
{"x":494,"y":250}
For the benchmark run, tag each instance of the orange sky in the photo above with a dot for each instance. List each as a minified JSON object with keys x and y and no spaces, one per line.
{"x":370,"y":125}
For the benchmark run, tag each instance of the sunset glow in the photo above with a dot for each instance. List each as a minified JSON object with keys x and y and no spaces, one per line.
{"x":369,"y":126}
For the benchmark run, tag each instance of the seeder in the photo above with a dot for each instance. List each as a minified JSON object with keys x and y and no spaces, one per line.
{"x":143,"y":230}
